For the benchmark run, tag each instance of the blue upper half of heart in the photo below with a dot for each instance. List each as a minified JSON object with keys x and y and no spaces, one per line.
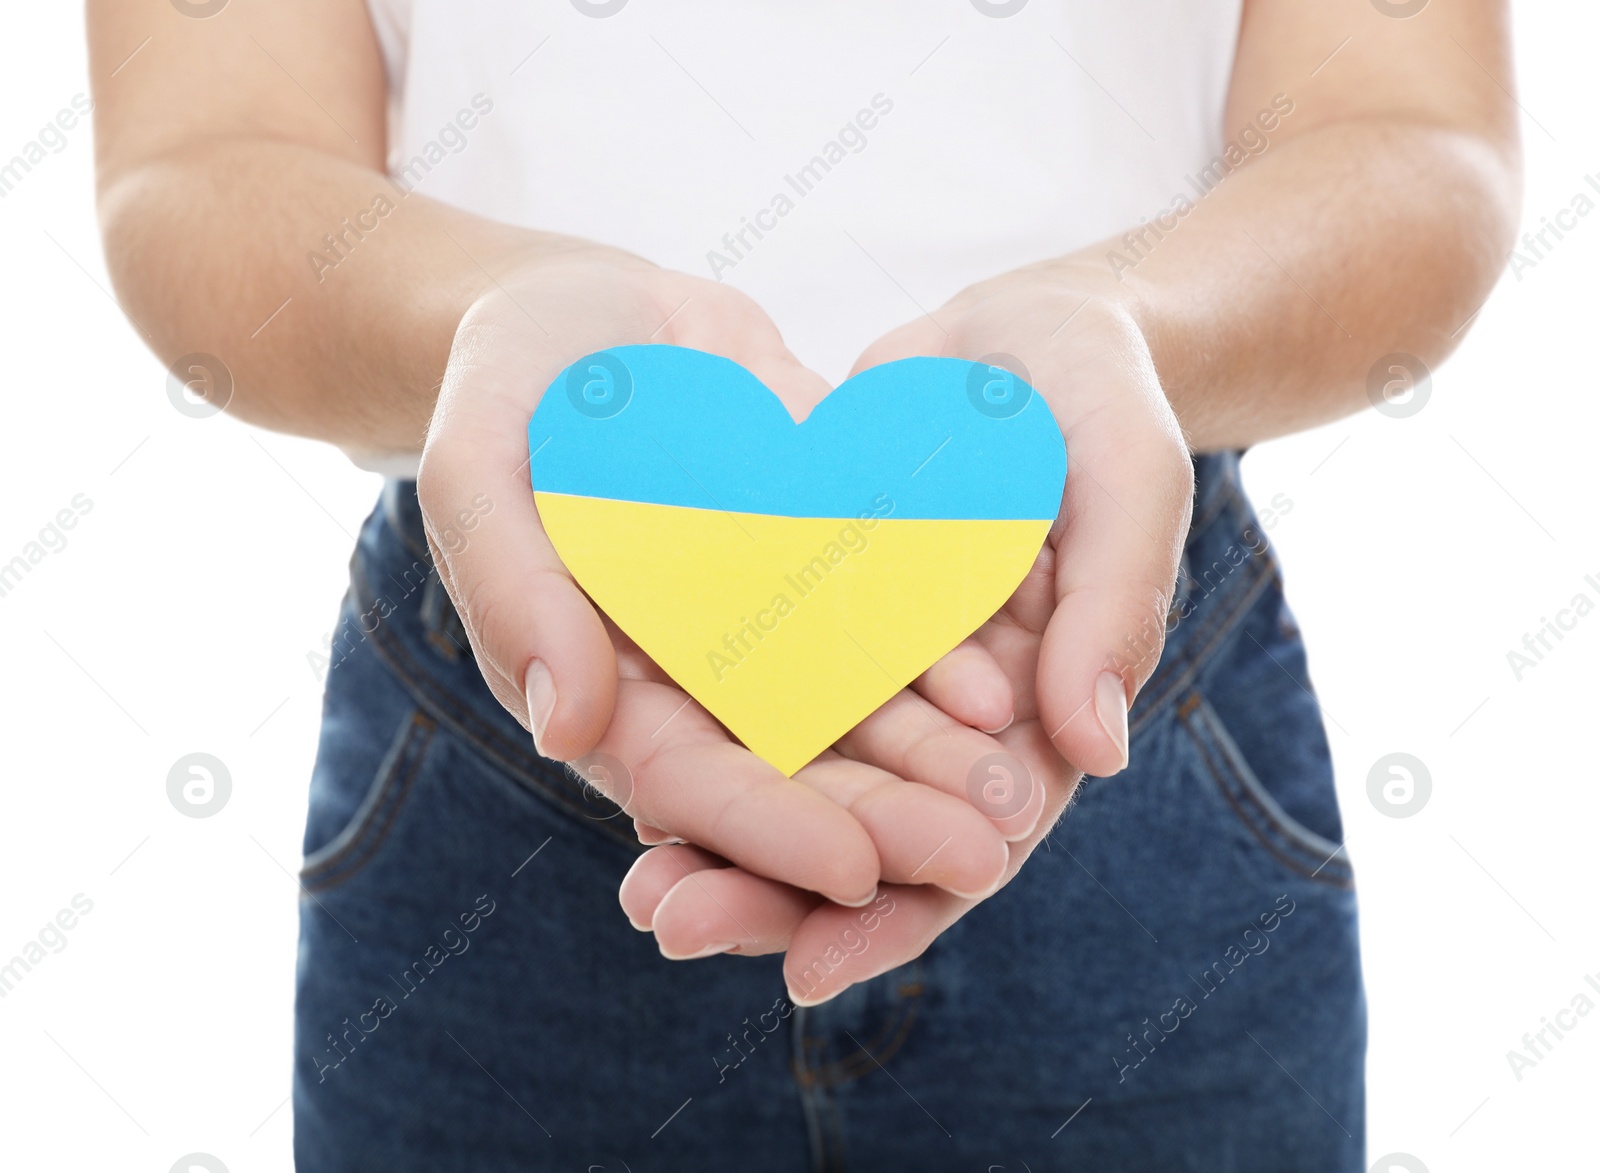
{"x":916,"y":438}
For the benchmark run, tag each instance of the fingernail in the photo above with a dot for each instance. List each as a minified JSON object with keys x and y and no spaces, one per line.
{"x":1111,"y":707}
{"x":863,"y":902}
{"x":1002,"y":728}
{"x":650,"y":836}
{"x":979,"y":896}
{"x":540,"y":689}
{"x":708,"y":951}
{"x":815,"y":999}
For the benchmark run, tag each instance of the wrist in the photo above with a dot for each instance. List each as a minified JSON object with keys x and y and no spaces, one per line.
{"x":1120,"y":294}
{"x":1119,"y":308}
{"x":535,"y":261}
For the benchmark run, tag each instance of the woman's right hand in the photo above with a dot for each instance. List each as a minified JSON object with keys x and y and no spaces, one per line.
{"x":539,"y":642}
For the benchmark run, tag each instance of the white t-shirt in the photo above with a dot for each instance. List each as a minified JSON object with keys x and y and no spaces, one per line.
{"x":846,"y":164}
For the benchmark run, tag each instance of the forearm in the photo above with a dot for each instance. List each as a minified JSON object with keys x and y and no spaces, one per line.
{"x":1267,"y":304}
{"x":1267,"y":307}
{"x":330,"y":292}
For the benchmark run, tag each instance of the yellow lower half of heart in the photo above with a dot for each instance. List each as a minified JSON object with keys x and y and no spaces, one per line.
{"x":789,"y":630}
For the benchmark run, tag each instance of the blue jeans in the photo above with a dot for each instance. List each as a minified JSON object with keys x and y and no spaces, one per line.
{"x":1172,"y":982}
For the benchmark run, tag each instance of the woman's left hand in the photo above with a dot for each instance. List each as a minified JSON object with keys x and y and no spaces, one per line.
{"x":1077,"y":640}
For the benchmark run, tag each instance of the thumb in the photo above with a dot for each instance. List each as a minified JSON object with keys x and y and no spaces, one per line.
{"x":541,"y":646}
{"x":1127,"y":505}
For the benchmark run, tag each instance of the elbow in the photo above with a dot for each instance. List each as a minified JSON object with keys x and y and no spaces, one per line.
{"x":1486,"y":209}
{"x":1464,"y":234}
{"x":1491,"y":195}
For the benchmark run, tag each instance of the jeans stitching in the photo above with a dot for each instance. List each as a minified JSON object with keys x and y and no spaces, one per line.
{"x":1173,"y":676}
{"x":860,"y":1062}
{"x":436,"y":613}
{"x":376,"y":821}
{"x":1279,"y":838}
{"x":475,"y":733}
{"x":824,"y":1130}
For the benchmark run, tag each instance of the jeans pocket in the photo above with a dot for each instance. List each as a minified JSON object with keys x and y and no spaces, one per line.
{"x":1287,"y":840}
{"x":358,"y":842}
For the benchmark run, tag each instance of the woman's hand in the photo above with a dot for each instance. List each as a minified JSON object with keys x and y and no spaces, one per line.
{"x":541,"y":646}
{"x":1076,"y":641}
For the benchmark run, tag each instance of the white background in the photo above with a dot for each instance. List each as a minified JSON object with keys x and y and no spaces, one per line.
{"x":180,"y":615}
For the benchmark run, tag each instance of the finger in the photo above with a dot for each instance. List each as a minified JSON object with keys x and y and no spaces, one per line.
{"x":632,"y":662}
{"x":684,"y":776}
{"x":829,"y":947}
{"x":970,"y":687}
{"x":920,"y":834}
{"x":1012,"y":637}
{"x":923,"y":836}
{"x":914,"y":740}
{"x":728,"y":910}
{"x":834,"y":948}
{"x":652,"y":876}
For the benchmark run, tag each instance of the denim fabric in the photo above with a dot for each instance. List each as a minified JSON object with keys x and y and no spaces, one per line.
{"x":1171,"y":983}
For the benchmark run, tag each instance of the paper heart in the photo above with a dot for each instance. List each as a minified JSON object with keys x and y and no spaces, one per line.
{"x":791,"y":577}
